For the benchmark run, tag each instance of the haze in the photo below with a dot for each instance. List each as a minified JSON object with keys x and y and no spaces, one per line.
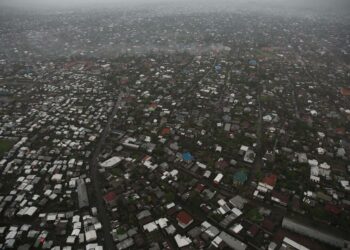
{"x":328,"y":7}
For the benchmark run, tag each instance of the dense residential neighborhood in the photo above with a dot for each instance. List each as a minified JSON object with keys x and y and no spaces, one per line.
{"x":200,"y":131}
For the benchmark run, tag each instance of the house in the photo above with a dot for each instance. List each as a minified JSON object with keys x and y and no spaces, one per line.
{"x":199,"y":187}
{"x":280,"y":198}
{"x":112,"y":162}
{"x":253,"y":230}
{"x":211,"y":232}
{"x":90,"y":236}
{"x":291,"y":244}
{"x":268,"y":183}
{"x":236,"y":228}
{"x":201,"y":165}
{"x":324,"y":169}
{"x":243,"y":149}
{"x":125,"y":244}
{"x":144,"y":217}
{"x":268,"y":224}
{"x":218,"y":178}
{"x":239,"y":178}
{"x":182,"y":241}
{"x":238,"y":201}
{"x":187,"y":157}
{"x":130,"y":143}
{"x":302,"y":157}
{"x":110,"y":199}
{"x":150,"y":227}
{"x":184,"y":219}
{"x":148,"y":164}
{"x":225,"y":239}
{"x":333,"y":209}
{"x":227,"y":127}
{"x":165,"y":131}
{"x":345,"y":91}
{"x":249,"y":156}
{"x":207,"y":174}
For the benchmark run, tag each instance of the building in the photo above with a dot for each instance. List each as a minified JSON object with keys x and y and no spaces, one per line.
{"x":291,"y":244}
{"x":187,"y":156}
{"x":280,"y":198}
{"x":268,"y":183}
{"x":83,"y":199}
{"x":345,"y":91}
{"x":325,"y":237}
{"x":239,"y":178}
{"x":110,"y":199}
{"x":230,"y":241}
{"x":238,"y":201}
{"x":182,"y":241}
{"x":184,"y":219}
{"x":218,"y":178}
{"x":112,"y":162}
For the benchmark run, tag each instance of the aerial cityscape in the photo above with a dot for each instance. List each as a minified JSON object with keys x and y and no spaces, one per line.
{"x":175,"y":125}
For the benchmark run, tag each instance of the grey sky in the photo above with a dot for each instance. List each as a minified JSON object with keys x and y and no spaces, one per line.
{"x":330,"y":7}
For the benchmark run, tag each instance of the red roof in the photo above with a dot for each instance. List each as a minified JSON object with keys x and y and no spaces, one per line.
{"x":184,"y":218}
{"x":146,"y":158}
{"x":165,"y":131}
{"x":110,"y":197}
{"x":333,"y":209}
{"x":340,"y":131}
{"x":270,"y":180}
{"x":221,"y":164}
{"x":200,"y":187}
{"x":245,"y":124}
{"x":345,"y":91}
{"x":268,"y":225}
{"x":283,"y":197}
{"x":153,"y":105}
{"x":124,"y":80}
{"x":253,"y":230}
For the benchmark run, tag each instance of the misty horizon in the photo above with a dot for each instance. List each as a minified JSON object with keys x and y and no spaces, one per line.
{"x":340,"y":8}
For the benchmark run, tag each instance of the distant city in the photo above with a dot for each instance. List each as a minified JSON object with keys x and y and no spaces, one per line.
{"x":149,"y":129}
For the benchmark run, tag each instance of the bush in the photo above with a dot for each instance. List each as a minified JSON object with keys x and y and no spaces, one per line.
{"x":5,"y":145}
{"x":254,"y":215}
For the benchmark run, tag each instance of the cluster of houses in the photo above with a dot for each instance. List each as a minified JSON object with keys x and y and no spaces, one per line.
{"x":211,"y":146}
{"x":45,"y":199}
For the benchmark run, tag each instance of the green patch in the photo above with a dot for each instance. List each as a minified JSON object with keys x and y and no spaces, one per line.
{"x":5,"y":145}
{"x":116,"y":172}
{"x":264,"y":53}
{"x":254,"y":215}
{"x":121,"y":230}
{"x":265,"y":99}
{"x":169,"y":196}
{"x":319,"y":213}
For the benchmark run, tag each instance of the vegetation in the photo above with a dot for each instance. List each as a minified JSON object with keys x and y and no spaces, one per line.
{"x":5,"y":145}
{"x":319,"y":213}
{"x":265,"y":99}
{"x":121,"y":230}
{"x":116,"y":171}
{"x":254,"y":215}
{"x":169,"y":196}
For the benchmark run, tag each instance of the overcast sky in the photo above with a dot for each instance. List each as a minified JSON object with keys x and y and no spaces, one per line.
{"x":327,"y":6}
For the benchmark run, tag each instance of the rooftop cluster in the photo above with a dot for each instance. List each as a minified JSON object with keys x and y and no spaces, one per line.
{"x":180,"y":132}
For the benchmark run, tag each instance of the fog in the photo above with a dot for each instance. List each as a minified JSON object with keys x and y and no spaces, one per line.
{"x":307,"y":7}
{"x":108,"y":28}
